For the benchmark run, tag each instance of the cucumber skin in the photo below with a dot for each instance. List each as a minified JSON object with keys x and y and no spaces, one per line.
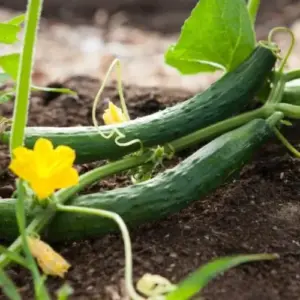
{"x":230,"y":95}
{"x":167,"y":193}
{"x":291,"y":95}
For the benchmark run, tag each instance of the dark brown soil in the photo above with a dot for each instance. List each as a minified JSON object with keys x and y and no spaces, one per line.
{"x":259,"y":212}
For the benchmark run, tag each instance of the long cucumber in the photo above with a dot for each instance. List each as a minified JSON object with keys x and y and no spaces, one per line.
{"x":167,"y":193}
{"x":229,"y":96}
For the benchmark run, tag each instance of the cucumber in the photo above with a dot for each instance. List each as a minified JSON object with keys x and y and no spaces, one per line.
{"x":228,"y":96}
{"x":291,"y":95}
{"x":167,"y":193}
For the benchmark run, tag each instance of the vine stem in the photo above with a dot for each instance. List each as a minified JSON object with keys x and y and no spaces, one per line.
{"x":221,"y":127}
{"x":292,"y":75}
{"x":253,"y":6}
{"x":119,"y":135}
{"x":280,"y":78}
{"x":23,"y":84}
{"x":286,"y":143}
{"x":126,"y":239}
{"x":116,"y":63}
{"x":39,"y":287}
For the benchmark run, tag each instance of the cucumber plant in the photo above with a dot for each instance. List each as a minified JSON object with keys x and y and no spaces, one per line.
{"x":222,"y":116}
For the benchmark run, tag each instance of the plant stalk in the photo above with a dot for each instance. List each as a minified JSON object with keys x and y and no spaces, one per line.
{"x":126,"y":238}
{"x":23,"y":84}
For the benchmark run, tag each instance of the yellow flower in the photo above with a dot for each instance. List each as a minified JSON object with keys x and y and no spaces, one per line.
{"x":45,"y":168}
{"x":50,"y":261}
{"x":113,"y":115}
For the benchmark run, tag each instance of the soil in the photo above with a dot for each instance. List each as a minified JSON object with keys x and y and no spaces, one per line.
{"x":258,"y":212}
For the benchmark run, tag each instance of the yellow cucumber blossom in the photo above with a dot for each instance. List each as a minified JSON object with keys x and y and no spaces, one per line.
{"x":113,"y":114}
{"x":45,"y":168}
{"x":49,"y":261}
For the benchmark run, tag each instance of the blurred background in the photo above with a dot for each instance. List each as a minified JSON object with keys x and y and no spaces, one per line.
{"x":82,"y":37}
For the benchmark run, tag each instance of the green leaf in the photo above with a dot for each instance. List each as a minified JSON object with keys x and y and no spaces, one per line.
{"x":9,"y":33}
{"x":54,"y":90}
{"x":17,"y":21}
{"x":10,"y":63}
{"x":5,"y":97}
{"x":8,"y":287}
{"x":218,"y":35}
{"x":200,"y":278}
{"x":64,"y":292}
{"x":9,"y":30}
{"x":14,"y":256}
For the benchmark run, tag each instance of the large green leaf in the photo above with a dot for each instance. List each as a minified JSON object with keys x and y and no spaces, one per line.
{"x":200,"y":278}
{"x":218,"y":35}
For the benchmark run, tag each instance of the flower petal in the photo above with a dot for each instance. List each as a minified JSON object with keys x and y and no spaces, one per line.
{"x":50,"y":261}
{"x":45,"y":168}
{"x":66,"y":178}
{"x":22,"y":164}
{"x":43,"y":153}
{"x":66,"y":155}
{"x":107,"y":118}
{"x":22,"y":153}
{"x":113,"y":115}
{"x":43,"y":146}
{"x":42,"y":187}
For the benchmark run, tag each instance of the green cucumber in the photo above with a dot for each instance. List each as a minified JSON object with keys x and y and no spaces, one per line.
{"x":291,"y":95}
{"x":228,"y":96}
{"x":167,"y":193}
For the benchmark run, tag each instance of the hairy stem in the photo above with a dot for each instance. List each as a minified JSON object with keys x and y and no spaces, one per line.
{"x":286,"y":143}
{"x":126,"y":238}
{"x":23,"y":84}
{"x":39,"y":287}
{"x":292,"y":75}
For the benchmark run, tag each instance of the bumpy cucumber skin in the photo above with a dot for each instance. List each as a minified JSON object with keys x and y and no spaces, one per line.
{"x":228,"y":96}
{"x":167,"y":193}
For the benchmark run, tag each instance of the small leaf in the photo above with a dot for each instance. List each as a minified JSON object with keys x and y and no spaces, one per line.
{"x":9,"y":30}
{"x":200,"y":278}
{"x":17,"y":21}
{"x":286,"y":122}
{"x":218,"y":35}
{"x":10,"y":63}
{"x":5,"y":97}
{"x":64,"y":292}
{"x":8,"y":287}
{"x":54,"y":90}
{"x":14,"y":256}
{"x":9,"y":33}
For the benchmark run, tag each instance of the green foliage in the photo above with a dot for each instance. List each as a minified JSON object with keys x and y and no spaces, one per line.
{"x":218,"y":35}
{"x":196,"y":281}
{"x":9,"y":63}
{"x":8,"y":287}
